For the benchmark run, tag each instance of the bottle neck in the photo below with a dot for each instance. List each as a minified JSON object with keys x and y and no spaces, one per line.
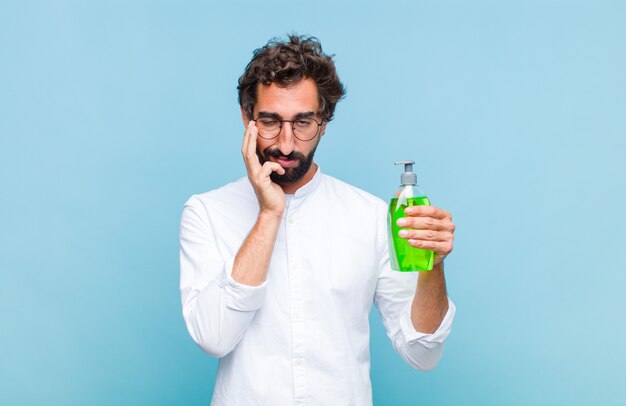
{"x":414,"y":190}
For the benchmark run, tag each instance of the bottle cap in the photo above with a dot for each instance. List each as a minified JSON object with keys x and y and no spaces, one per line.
{"x":408,"y":177}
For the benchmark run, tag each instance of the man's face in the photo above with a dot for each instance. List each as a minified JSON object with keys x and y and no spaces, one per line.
{"x":294,"y":155}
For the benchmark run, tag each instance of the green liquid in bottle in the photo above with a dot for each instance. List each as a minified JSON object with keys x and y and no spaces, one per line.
{"x":407,"y":258}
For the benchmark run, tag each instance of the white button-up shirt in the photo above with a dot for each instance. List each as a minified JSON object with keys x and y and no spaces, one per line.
{"x":301,"y":337}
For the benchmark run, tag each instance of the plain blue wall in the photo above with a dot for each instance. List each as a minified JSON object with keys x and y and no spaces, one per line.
{"x":112,"y":113}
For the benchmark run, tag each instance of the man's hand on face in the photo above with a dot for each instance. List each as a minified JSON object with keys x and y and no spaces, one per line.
{"x":270,"y":195}
{"x":430,"y":228}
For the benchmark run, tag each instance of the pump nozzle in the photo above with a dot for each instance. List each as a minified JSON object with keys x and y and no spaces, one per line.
{"x":408,"y":165}
{"x":408,"y":177}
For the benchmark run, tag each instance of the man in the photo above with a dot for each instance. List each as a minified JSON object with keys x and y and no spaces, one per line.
{"x":280,"y":268}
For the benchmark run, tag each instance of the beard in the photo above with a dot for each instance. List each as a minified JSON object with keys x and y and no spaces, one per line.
{"x":291,"y":175}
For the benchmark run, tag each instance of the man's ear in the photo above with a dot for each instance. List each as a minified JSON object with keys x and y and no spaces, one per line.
{"x":244,"y":117}
{"x":323,"y":129}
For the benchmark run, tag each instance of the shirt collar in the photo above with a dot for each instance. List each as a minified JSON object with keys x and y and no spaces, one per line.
{"x":310,"y":187}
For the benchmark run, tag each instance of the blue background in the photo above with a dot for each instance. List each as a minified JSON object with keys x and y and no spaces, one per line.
{"x":113,"y":113}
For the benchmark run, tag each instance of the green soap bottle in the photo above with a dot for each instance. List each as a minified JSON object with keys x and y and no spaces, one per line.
{"x":404,"y":257}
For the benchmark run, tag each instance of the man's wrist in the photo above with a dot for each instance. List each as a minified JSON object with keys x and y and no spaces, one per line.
{"x":270,"y":216}
{"x":433,"y":274}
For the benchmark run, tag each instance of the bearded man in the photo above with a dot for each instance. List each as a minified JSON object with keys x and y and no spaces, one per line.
{"x":279,"y":269}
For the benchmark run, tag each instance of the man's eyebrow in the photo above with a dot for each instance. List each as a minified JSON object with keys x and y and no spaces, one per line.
{"x":308,"y":114}
{"x":267,"y":114}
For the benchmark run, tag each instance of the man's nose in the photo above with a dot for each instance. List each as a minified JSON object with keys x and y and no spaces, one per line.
{"x":286,"y":138}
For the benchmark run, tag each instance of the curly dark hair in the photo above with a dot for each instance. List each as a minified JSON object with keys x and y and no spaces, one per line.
{"x":286,"y":63}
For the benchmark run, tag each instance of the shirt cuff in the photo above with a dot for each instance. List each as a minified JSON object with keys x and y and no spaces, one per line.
{"x":238,"y":296}
{"x":438,"y":337}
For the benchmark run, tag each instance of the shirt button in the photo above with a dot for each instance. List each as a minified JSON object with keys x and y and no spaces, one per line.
{"x":297,"y":315}
{"x":298,"y":362}
{"x":290,"y":220}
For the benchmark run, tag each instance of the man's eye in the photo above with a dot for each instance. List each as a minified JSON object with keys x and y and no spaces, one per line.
{"x":303,"y":123}
{"x":268,"y":122}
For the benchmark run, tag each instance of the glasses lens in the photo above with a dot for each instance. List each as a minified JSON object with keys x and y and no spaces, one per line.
{"x":305,"y":129}
{"x":268,"y":127}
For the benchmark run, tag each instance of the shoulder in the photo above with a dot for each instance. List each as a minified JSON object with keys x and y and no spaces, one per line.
{"x":352,"y":194}
{"x":239,"y":191}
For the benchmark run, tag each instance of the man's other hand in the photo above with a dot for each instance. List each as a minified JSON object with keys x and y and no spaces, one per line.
{"x":270,"y":195}
{"x":429,"y":228}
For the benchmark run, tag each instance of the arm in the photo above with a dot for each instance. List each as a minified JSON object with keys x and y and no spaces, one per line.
{"x":429,"y":228}
{"x":414,"y":306}
{"x":220,"y":297}
{"x":253,"y":259}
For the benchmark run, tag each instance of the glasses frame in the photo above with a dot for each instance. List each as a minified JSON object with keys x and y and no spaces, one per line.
{"x":295,"y":134}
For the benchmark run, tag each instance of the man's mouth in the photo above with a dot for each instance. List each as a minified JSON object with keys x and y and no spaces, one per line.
{"x":287,"y":163}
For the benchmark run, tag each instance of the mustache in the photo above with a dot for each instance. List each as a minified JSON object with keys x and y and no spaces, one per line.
{"x":275,"y":153}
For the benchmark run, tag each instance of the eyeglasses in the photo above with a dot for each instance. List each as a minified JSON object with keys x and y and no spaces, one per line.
{"x":304,"y":129}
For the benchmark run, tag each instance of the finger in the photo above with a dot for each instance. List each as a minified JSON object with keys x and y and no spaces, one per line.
{"x":427,"y":211}
{"x":246,"y":138}
{"x":246,"y":135}
{"x":441,"y":248}
{"x":426,"y":223}
{"x":269,"y":167}
{"x":249,"y":148}
{"x":252,"y":138}
{"x":428,"y":235}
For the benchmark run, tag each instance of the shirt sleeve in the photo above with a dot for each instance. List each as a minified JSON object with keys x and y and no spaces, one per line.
{"x":217,"y":309}
{"x":393,"y":298}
